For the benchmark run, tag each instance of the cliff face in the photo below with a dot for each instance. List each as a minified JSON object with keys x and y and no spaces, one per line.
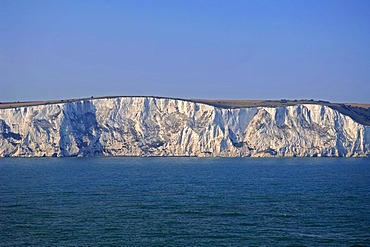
{"x":145,"y":126}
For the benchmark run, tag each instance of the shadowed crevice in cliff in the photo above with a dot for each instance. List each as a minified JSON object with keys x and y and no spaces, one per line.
{"x":80,"y":131}
{"x":9,"y":138}
{"x":6,"y":132}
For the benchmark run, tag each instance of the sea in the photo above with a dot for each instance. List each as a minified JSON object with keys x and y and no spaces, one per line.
{"x":124,"y":201}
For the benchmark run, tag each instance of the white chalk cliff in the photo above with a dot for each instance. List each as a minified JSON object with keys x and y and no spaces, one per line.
{"x":149,"y":126}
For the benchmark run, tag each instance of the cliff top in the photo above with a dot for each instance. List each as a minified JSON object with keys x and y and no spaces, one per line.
{"x":358,"y":112}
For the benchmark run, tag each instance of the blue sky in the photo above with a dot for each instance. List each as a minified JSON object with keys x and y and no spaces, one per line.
{"x":189,"y":49}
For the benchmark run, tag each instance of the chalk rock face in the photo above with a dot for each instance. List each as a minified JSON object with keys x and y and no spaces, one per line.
{"x":147,"y":126}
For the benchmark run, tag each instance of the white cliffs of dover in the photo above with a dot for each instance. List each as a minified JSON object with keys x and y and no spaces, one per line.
{"x":150,"y":126}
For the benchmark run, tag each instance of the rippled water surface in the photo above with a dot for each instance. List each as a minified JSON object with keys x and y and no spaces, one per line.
{"x":184,"y":201}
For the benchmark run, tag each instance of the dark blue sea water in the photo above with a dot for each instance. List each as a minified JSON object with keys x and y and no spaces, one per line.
{"x":184,"y":202}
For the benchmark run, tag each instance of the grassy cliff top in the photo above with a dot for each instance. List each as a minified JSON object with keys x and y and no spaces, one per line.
{"x":358,"y":112}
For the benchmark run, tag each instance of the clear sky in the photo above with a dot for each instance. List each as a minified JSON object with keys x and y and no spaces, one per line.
{"x":231,"y":49}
